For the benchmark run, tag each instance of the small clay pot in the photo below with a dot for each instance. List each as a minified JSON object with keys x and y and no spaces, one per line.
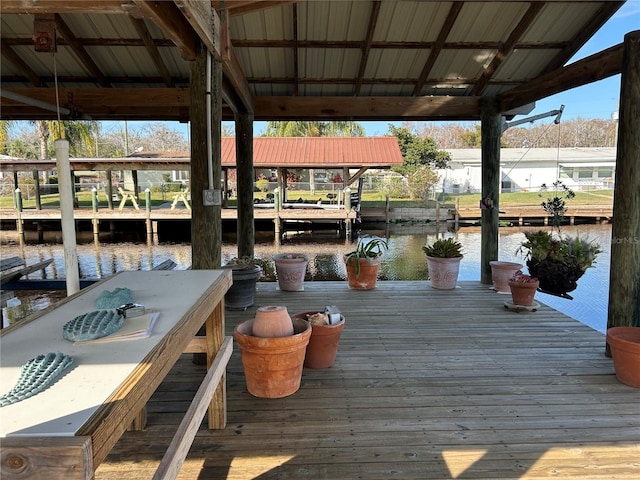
{"x":323,"y":344}
{"x":272,"y":322}
{"x":523,"y":293}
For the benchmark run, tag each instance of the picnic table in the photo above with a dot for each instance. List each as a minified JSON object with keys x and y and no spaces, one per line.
{"x":68,"y":429}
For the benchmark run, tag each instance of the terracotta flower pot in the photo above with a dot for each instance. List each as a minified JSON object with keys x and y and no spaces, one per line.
{"x":625,"y":350}
{"x":501,"y":272}
{"x":290,"y":271}
{"x":273,"y":366}
{"x":323,"y":344}
{"x":272,"y":321}
{"x":368,"y":277}
{"x":443,"y":272}
{"x":523,"y":293}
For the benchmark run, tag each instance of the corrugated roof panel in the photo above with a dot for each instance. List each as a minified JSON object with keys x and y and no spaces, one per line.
{"x":410,"y":21}
{"x":318,"y":152}
{"x":560,"y":22}
{"x":392,"y":63}
{"x":462,"y":64}
{"x":17,"y":25}
{"x":524,"y":62}
{"x":487,"y":21}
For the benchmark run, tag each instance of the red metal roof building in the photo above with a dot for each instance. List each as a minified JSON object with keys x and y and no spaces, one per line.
{"x":286,"y":152}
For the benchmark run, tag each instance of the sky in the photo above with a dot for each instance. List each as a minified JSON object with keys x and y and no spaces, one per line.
{"x":596,"y":100}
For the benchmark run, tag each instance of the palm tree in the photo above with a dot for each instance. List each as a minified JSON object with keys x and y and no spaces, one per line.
{"x":314,"y":129}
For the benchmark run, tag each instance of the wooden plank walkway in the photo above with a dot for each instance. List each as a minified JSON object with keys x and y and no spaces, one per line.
{"x":427,"y":384}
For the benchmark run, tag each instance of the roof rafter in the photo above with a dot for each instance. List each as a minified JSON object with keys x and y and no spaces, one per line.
{"x":588,"y":70}
{"x":80,"y":51}
{"x":366,"y":46}
{"x":11,"y":55}
{"x":152,"y":50}
{"x":438,"y":45}
{"x":524,"y":23}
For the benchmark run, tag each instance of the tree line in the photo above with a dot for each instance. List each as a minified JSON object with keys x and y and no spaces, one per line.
{"x":89,"y":139}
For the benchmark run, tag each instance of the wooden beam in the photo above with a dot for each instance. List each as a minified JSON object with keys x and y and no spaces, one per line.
{"x":490,"y":132}
{"x":152,"y":49}
{"x":236,"y":78}
{"x":241,"y":7}
{"x":168,"y":18}
{"x":370,"y":108}
{"x":10,"y":54}
{"x":108,"y":97}
{"x":588,"y":70}
{"x":205,"y":22}
{"x":80,"y":51}
{"x":507,"y":47}
{"x":61,"y":6}
{"x":245,"y":178}
{"x":583,"y":35}
{"x":438,"y":45}
{"x":366,"y":46}
{"x":624,"y":287}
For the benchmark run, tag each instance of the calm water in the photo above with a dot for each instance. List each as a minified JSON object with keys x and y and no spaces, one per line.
{"x":403,"y":261}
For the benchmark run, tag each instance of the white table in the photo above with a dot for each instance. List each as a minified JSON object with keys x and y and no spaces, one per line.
{"x":67,"y":430}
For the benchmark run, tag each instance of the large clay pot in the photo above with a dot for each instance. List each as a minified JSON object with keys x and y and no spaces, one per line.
{"x":273,"y":366}
{"x":323,"y":344}
{"x":501,"y":272}
{"x":368,"y":276}
{"x":242,"y":292}
{"x":625,"y":350}
{"x":272,"y":321}
{"x":523,"y":293}
{"x":443,"y":272}
{"x":290,"y":271}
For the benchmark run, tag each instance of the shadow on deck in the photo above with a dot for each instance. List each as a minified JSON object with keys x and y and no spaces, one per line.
{"x":427,"y":384}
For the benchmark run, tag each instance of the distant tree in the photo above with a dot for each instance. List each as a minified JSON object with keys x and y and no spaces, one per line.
{"x":5,"y":126}
{"x":314,"y":129}
{"x":420,"y":158}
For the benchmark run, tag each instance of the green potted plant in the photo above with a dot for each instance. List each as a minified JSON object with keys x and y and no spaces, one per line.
{"x":443,"y":262}
{"x":363,"y":263}
{"x":557,"y":260}
{"x":245,"y":272}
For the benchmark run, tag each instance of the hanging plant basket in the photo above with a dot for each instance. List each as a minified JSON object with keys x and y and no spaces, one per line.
{"x":556,"y":278}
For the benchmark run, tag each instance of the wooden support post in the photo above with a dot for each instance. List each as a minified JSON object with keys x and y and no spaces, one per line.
{"x":490,"y":131}
{"x":36,"y":186}
{"x":109,"y":191}
{"x":624,"y":286}
{"x":244,"y":177}
{"x":206,"y":233}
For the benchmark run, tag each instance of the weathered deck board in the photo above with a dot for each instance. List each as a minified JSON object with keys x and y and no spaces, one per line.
{"x":427,"y":384}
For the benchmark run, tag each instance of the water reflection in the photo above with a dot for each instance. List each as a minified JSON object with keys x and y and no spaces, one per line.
{"x":403,"y":261}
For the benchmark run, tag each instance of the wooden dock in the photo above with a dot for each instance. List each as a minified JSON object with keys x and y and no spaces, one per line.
{"x":534,"y":215}
{"x":290,"y":213}
{"x":427,"y":384}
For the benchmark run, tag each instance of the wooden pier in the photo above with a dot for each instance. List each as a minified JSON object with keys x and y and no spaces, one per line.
{"x":534,"y":215}
{"x":289,"y":213}
{"x":427,"y":384}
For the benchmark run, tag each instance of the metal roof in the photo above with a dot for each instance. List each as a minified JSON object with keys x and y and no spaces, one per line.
{"x":289,"y":152}
{"x":320,"y":59}
{"x":562,"y":156}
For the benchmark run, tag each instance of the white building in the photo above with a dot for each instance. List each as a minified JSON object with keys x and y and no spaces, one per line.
{"x":526,"y":169}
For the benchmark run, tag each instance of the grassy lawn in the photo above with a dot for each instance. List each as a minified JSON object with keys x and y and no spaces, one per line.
{"x":369,"y":199}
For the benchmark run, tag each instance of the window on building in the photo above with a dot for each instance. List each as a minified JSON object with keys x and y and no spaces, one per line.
{"x":585,"y":172}
{"x":605,"y":172}
{"x":566,"y":172}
